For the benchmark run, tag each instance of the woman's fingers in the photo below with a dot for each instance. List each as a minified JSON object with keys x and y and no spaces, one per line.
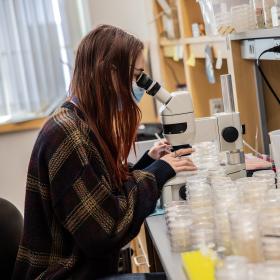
{"x":186,"y":168}
{"x":182,"y":152}
{"x":164,"y":141}
{"x":184,"y":162}
{"x":178,"y":163}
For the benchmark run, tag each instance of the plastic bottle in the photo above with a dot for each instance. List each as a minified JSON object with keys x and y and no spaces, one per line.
{"x":267,"y":5}
{"x":275,"y":13}
{"x":259,"y":13}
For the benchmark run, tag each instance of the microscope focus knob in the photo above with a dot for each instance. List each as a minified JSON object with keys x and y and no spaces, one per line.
{"x":230,"y":134}
{"x":182,"y":193}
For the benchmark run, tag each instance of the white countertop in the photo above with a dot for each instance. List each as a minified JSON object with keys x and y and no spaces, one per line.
{"x":171,"y":262}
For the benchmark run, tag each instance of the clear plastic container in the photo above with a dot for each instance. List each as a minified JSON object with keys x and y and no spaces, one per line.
{"x":267,"y":5}
{"x":216,"y":14}
{"x":275,"y":13}
{"x":259,"y":13}
{"x":222,"y":15}
{"x":242,"y":16}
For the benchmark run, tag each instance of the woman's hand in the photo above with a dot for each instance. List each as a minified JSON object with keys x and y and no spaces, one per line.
{"x":179,"y":163}
{"x":160,"y":149}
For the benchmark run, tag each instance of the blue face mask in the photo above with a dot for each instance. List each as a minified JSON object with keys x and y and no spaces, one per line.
{"x":137,"y":92}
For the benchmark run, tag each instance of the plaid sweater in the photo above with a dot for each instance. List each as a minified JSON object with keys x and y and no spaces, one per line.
{"x":76,"y":220}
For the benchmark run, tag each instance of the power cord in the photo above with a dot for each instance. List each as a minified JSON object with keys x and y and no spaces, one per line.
{"x":275,"y":49}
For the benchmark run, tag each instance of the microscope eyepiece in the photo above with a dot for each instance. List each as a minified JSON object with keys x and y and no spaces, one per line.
{"x":145,"y":82}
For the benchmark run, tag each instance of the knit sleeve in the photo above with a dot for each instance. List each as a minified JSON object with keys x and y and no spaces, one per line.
{"x":143,"y":162}
{"x":99,"y":218}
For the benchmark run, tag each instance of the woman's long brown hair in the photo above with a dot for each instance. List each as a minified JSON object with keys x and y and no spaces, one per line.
{"x":102,"y":82}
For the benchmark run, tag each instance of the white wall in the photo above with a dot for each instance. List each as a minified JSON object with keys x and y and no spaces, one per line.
{"x":127,"y":14}
{"x":15,"y":151}
{"x":135,"y":16}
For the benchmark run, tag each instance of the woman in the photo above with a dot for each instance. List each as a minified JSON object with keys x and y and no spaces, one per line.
{"x":83,"y":201}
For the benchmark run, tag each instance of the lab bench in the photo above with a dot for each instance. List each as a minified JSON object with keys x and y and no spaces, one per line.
{"x":161,"y":258}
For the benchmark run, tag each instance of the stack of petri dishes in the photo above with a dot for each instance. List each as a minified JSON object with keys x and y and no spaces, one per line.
{"x":225,"y":197}
{"x":202,"y":235}
{"x":222,"y":232}
{"x":270,"y":225}
{"x":239,"y":268}
{"x":199,"y":193}
{"x":201,"y":206}
{"x":252,"y":190}
{"x":216,"y":172}
{"x":245,"y":232}
{"x":179,"y":221}
{"x":269,"y":270}
{"x":233,"y":268}
{"x":195,"y":180}
{"x":206,"y":155}
{"x":268,"y":176}
{"x":219,"y":180}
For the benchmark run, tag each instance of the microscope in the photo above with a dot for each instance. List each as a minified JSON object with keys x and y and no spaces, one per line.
{"x":182,"y":129}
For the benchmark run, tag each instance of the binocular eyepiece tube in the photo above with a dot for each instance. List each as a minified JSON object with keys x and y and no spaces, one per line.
{"x":153,"y":88}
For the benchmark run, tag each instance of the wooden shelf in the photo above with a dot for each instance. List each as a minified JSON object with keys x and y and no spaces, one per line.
{"x":204,"y":39}
{"x":22,"y":126}
{"x":197,"y":46}
{"x":163,"y":42}
{"x":256,"y":34}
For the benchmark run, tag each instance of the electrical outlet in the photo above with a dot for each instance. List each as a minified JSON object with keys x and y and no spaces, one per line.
{"x":248,"y":49}
{"x":216,"y":105}
{"x":251,"y":48}
{"x":277,"y":43}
